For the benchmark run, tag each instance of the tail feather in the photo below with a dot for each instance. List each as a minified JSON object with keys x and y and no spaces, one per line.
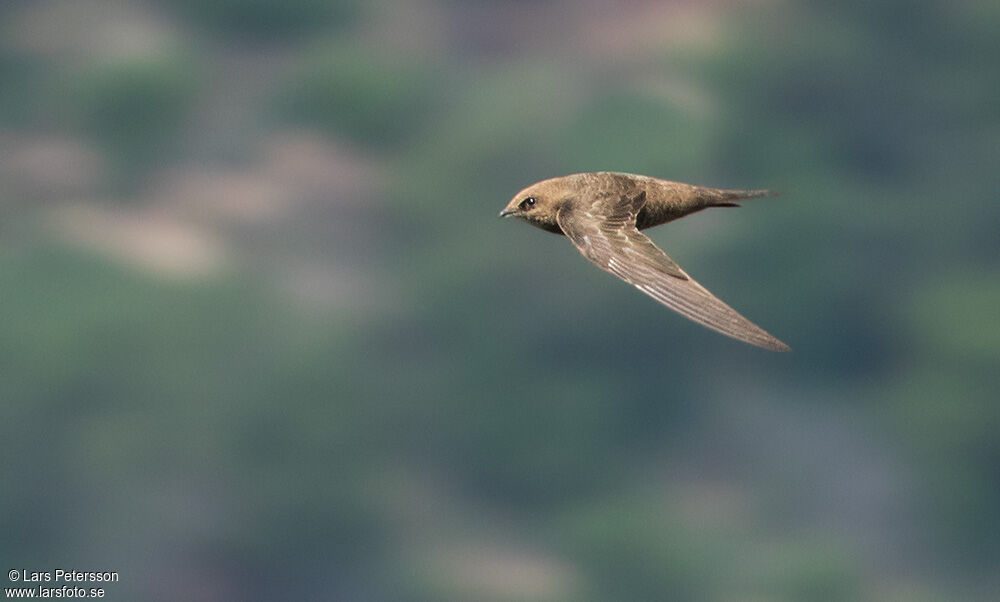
{"x":720,"y":197}
{"x":668,"y":201}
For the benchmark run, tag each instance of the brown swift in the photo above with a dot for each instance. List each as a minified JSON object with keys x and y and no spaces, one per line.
{"x":602,"y":213}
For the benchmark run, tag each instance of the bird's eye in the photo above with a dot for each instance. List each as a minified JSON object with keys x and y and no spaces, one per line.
{"x":527,"y":203}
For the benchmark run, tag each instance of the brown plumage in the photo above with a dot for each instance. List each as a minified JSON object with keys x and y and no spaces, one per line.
{"x":602,"y":213}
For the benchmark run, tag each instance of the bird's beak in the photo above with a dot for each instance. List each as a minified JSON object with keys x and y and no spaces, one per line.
{"x":507,"y":212}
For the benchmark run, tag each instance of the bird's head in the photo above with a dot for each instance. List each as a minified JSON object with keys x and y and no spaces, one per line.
{"x":539,"y":203}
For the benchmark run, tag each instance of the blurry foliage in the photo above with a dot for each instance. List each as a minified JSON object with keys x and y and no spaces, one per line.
{"x":874,"y":106}
{"x":134,"y":108}
{"x":156,"y":380}
{"x":946,"y":405}
{"x":960,"y":332}
{"x":268,"y":20}
{"x":521,"y":448}
{"x":807,"y":570}
{"x":642,"y":552}
{"x":634,"y":133}
{"x":20,"y":90}
{"x":370,"y":99}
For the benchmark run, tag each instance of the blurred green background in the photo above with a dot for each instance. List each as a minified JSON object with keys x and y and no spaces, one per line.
{"x":263,"y":337}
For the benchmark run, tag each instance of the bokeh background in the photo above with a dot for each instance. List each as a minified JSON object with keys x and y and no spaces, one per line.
{"x":262,"y":335}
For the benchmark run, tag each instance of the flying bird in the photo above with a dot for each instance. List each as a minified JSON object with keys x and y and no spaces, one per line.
{"x":602,"y":213}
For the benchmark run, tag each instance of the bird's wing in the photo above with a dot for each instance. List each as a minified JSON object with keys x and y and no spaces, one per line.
{"x":603,"y":230}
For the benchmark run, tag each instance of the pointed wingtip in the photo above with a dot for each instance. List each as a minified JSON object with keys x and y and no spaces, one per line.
{"x":772,"y":344}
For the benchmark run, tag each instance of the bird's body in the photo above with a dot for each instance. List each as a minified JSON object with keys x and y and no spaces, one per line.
{"x":602,"y":213}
